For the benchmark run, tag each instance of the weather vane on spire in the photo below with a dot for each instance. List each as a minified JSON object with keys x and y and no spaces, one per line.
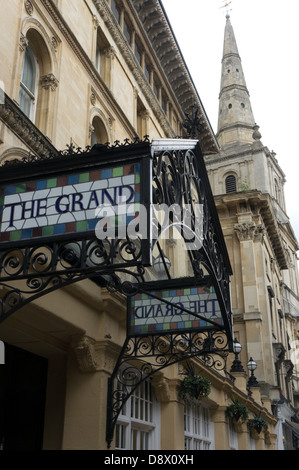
{"x":226,"y":5}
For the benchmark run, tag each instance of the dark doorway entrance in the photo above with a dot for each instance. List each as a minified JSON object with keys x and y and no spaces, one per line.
{"x":22,"y":400}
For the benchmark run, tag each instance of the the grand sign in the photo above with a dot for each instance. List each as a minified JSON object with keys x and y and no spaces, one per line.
{"x":47,"y":201}
{"x":174,"y":309}
{"x":67,"y":203}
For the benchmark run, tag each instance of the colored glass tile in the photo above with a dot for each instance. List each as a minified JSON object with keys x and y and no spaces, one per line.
{"x":83,"y":177}
{"x":21,"y":188}
{"x":16,"y":235}
{"x":42,"y":184}
{"x":82,"y":226}
{"x":119,"y":171}
{"x":10,"y":190}
{"x":49,"y":230}
{"x":73,"y":179}
{"x":59,"y":229}
{"x":52,"y":183}
{"x":107,"y":173}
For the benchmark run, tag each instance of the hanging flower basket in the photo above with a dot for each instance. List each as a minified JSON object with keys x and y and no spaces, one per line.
{"x":257,"y":424}
{"x":237,"y":412}
{"x":194,"y":387}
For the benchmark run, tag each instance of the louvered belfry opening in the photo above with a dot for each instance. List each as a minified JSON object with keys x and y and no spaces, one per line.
{"x":230,"y":184}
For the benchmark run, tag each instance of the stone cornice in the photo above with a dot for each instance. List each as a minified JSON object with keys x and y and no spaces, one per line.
{"x":157,"y":29}
{"x":25,"y":130}
{"x":262,"y":203}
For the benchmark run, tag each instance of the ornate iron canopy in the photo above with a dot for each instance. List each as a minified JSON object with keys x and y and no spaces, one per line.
{"x":54,"y":232}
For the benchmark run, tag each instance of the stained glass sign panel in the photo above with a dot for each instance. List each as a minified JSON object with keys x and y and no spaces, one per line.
{"x":68,"y":203}
{"x":174,"y":309}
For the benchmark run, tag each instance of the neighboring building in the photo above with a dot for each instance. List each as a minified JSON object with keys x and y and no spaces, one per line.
{"x":105,"y":71}
{"x":248,"y":184}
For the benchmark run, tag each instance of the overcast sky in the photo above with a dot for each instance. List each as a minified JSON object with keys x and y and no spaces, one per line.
{"x":267,"y":35}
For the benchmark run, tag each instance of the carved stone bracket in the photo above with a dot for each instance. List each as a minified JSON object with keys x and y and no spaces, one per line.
{"x":86,"y":354}
{"x":94,"y":356}
{"x":250,"y":231}
{"x":49,"y":81}
{"x":23,"y":42}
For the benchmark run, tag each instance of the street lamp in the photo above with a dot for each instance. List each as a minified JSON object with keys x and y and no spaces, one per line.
{"x":237,"y":365}
{"x":161,"y":264}
{"x":252,"y":382}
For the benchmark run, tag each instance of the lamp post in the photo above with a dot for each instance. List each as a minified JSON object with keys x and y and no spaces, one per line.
{"x":162,"y":264}
{"x":237,"y":365}
{"x":252,"y":382}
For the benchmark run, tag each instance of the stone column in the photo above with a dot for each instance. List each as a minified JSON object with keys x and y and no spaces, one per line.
{"x":220,"y":428}
{"x":172,"y":413}
{"x":243,"y":436}
{"x":90,"y":363}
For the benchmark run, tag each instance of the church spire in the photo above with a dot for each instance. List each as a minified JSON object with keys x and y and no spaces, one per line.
{"x":235,"y":118}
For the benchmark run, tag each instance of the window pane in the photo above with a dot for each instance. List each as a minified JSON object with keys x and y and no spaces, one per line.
{"x":25,"y":102}
{"x":127,"y":32}
{"x":29,"y":71}
{"x":115,"y":10}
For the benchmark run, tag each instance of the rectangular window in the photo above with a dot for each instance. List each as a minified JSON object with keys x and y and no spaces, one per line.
{"x":147,"y":72}
{"x":137,"y":427}
{"x":115,"y":10}
{"x":127,"y":31}
{"x":198,"y":428}
{"x":233,"y":437}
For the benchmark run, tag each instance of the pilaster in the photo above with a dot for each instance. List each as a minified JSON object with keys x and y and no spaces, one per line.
{"x":220,"y":428}
{"x":89,"y":365}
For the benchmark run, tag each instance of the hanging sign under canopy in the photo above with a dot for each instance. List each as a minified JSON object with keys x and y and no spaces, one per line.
{"x":173,"y":309}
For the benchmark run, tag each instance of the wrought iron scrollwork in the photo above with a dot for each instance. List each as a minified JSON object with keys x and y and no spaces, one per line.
{"x":143,"y":356}
{"x":179,"y":178}
{"x":31,"y":271}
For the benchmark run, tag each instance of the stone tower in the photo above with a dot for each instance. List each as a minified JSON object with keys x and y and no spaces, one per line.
{"x":248,"y":185}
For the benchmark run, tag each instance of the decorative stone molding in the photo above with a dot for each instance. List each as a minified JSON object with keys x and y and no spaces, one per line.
{"x":245,"y":231}
{"x":95,"y":22}
{"x":279,"y":352}
{"x":250,"y":231}
{"x":259,"y":233}
{"x":24,"y":128}
{"x":94,"y":356}
{"x":49,"y":81}
{"x":110,"y":52}
{"x":90,"y":130}
{"x":23,"y":42}
{"x":54,"y":43}
{"x":28,"y":7}
{"x":161,"y":386}
{"x":288,"y":368}
{"x":93,"y":98}
{"x":86,"y":354}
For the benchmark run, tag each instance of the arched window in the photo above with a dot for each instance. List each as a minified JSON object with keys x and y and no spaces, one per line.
{"x":230,"y":184}
{"x":99,"y":134}
{"x":276,"y":189}
{"x":37,"y":81}
{"x":29,"y":84}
